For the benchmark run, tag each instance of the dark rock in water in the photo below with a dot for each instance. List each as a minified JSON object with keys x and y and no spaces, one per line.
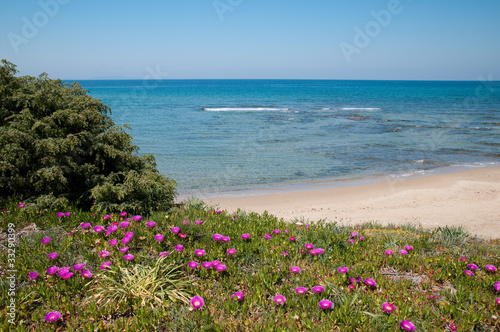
{"x":357,"y":117}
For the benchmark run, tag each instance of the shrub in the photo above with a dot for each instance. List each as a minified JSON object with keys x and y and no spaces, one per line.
{"x":58,"y":144}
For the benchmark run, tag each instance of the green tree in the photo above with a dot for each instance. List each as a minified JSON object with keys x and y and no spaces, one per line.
{"x":59,"y":146}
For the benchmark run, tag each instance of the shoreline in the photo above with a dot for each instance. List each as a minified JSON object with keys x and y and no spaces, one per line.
{"x":468,"y":198}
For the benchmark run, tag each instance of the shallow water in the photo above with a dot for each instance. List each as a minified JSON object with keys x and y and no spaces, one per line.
{"x":218,"y":135}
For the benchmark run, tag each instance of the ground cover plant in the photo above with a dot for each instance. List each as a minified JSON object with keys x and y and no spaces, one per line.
{"x":198,"y":268}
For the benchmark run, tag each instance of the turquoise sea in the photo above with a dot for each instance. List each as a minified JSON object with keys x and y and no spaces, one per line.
{"x":219,"y":135}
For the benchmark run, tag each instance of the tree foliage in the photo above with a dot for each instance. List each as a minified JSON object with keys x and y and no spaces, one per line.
{"x":58,"y":145}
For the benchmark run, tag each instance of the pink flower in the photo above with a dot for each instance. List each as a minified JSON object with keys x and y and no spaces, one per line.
{"x":388,"y":252}
{"x":159,"y":238}
{"x":85,"y":225}
{"x":238,"y":296}
{"x":220,"y":267}
{"x":104,"y":254}
{"x":136,"y":218}
{"x":198,"y":222}
{"x":226,"y":239}
{"x":309,"y":246}
{"x":276,"y":231}
{"x":354,"y":234}
{"x":128,"y":257}
{"x":197,"y":302}
{"x":463,"y":259}
{"x":490,"y":268}
{"x":185,"y":222}
{"x":279,"y":299}
{"x":286,"y":230}
{"x":351,"y":240}
{"x":150,"y":224}
{"x":343,"y":270}
{"x":313,"y":252}
{"x":164,"y":253}
{"x":407,"y":325}
{"x":33,"y":275}
{"x":21,"y":205}
{"x":206,"y":265}
{"x":129,"y":235}
{"x":245,"y":236}
{"x":319,"y":251}
{"x":291,"y":238}
{"x":126,"y":240}
{"x":403,"y":252}
{"x":285,"y":253}
{"x":472,"y":267}
{"x":98,"y":229}
{"x":105,"y":265}
{"x":124,"y":224}
{"x":295,"y":269}
{"x":45,"y":240}
{"x":387,"y":307}
{"x":231,"y":251}
{"x":123,"y":250}
{"x":52,"y":256}
{"x":106,"y":217}
{"x":318,"y":289}
{"x":179,"y":247}
{"x":354,"y":280}
{"x":66,"y":275}
{"x":218,"y":211}
{"x":217,"y":237}
{"x":267,"y":237}
{"x":67,"y":214}
{"x":60,"y":214}
{"x":52,"y":316}
{"x":409,"y":248}
{"x":52,"y":270}
{"x":86,"y":274}
{"x":215,"y":263}
{"x":113,"y":242}
{"x":468,"y":272}
{"x":497,"y":300}
{"x":352,"y":287}
{"x":370,"y":282}
{"x":361,"y":238}
{"x":496,"y":286}
{"x":325,"y":304}
{"x":182,"y":235}
{"x":193,"y":265}
{"x":78,"y":267}
{"x":175,"y":230}
{"x":122,"y":214}
{"x":300,"y":290}
{"x":199,"y":252}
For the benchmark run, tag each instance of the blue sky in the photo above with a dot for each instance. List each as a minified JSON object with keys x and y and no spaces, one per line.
{"x":292,"y":39}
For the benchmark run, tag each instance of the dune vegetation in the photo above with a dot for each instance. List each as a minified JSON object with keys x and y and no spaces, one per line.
{"x":198,"y":268}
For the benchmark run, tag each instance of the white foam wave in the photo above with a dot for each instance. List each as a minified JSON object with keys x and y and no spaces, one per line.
{"x":243,"y":109}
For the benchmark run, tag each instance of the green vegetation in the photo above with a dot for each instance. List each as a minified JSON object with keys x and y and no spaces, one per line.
{"x":427,"y":286}
{"x":59,"y":146}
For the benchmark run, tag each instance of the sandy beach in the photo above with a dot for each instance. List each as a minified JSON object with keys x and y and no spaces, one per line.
{"x":468,"y":198}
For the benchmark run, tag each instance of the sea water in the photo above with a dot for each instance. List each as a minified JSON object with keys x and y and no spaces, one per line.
{"x":220,"y":135}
